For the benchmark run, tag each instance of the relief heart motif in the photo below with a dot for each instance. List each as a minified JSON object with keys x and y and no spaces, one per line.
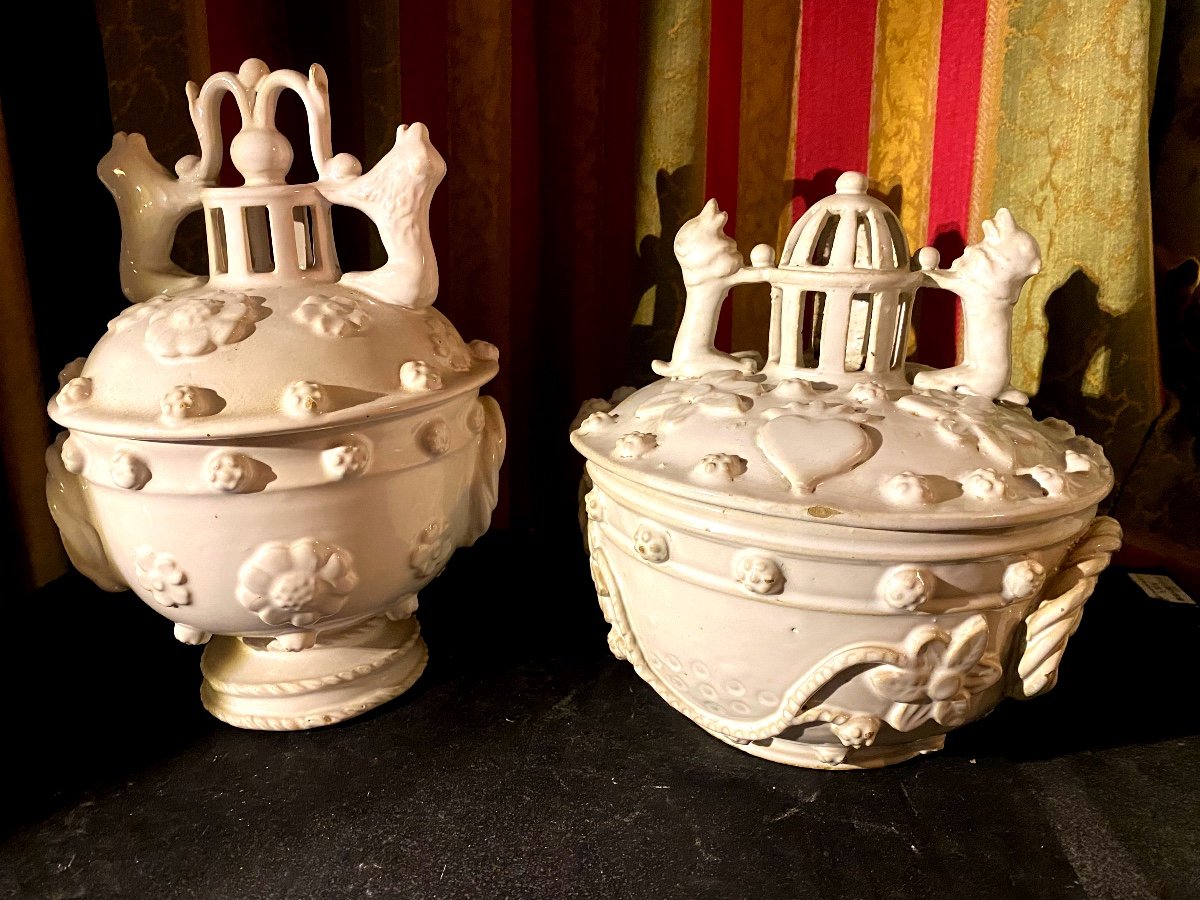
{"x":808,"y":451}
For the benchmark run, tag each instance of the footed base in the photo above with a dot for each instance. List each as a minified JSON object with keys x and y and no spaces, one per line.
{"x":835,"y":756}
{"x":344,"y":674}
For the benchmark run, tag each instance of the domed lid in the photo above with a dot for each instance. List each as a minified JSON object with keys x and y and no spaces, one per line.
{"x":836,"y":426}
{"x":276,"y":338}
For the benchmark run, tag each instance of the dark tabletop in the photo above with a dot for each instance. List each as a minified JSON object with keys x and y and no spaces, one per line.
{"x":527,"y":762}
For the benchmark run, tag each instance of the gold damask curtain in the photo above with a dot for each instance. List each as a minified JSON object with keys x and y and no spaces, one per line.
{"x":581,"y":135}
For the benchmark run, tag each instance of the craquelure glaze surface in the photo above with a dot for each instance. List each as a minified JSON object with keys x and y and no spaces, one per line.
{"x":829,"y":557}
{"x":280,"y":456}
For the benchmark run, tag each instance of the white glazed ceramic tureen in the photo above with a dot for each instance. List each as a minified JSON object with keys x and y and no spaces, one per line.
{"x":280,"y":454}
{"x":831,"y":559}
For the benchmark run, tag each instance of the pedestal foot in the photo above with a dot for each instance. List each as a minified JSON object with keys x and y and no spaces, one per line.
{"x":344,"y":674}
{"x":835,"y":756}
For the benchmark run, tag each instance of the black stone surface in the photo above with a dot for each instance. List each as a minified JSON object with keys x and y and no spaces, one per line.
{"x":529,"y":763}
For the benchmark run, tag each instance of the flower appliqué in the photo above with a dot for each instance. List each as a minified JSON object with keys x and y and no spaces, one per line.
{"x":1000,"y":432}
{"x":906,"y":587}
{"x":937,"y":675}
{"x":72,"y":455}
{"x":128,"y":470}
{"x":758,"y":574}
{"x":296,"y":583}
{"x":986,"y":485}
{"x":908,"y":489}
{"x":1052,"y":482}
{"x":1022,"y":580}
{"x":185,"y":401}
{"x":593,"y":505}
{"x":448,"y":346}
{"x":720,"y":467}
{"x":193,"y":326}
{"x":634,"y":445}
{"x":721,"y":394}
{"x":75,"y":393}
{"x":136,"y":313}
{"x":595,"y":422}
{"x":418,"y":376}
{"x":347,"y":460}
{"x":432,"y":550}
{"x":868,"y":392}
{"x":332,"y":317}
{"x":434,"y":437}
{"x":305,"y":398}
{"x":229,"y":472}
{"x":160,"y":574}
{"x":856,"y":732}
{"x":651,"y":544}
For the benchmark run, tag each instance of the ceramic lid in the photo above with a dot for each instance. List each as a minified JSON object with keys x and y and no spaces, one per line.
{"x":277,"y":338}
{"x":834,"y":425}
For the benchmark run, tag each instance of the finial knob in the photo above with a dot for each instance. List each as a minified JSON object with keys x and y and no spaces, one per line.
{"x":262,"y":155}
{"x":928,"y":258}
{"x":762,"y":255}
{"x":851,"y":183}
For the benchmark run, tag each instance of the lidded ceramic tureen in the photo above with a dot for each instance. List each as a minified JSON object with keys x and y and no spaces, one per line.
{"x":831,"y":558}
{"x":280,"y":454}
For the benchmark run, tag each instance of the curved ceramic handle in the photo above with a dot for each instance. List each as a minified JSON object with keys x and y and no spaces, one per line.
{"x":151,"y":204}
{"x":395,"y":195}
{"x":1051,"y":624}
{"x":988,"y":277}
{"x":66,"y":496}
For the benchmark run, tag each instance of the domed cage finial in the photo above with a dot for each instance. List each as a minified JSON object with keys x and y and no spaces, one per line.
{"x":842,"y":296}
{"x":266,"y":231}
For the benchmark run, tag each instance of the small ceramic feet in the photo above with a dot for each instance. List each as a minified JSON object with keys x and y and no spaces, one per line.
{"x":835,"y":756}
{"x":188,"y":635}
{"x":259,"y":684}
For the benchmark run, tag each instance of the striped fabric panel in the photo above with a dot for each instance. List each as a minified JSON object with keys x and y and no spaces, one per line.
{"x":833,"y":96}
{"x":959,"y":73}
{"x":765,"y":154}
{"x":723,"y":135}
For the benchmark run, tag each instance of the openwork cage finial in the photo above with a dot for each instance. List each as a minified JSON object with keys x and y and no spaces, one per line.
{"x":267,"y":231}
{"x":842,"y":296}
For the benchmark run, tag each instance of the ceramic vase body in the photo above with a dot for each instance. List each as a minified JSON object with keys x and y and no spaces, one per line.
{"x":279,"y":457}
{"x":827,"y":557}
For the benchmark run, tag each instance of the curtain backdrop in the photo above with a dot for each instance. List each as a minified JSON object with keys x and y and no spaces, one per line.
{"x":581,"y":135}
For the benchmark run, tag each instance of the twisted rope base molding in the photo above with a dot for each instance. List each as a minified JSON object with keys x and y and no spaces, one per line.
{"x":343,"y":675}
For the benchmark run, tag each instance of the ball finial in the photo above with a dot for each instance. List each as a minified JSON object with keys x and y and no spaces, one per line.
{"x":928,"y":258}
{"x":762,"y":255}
{"x":851,"y":183}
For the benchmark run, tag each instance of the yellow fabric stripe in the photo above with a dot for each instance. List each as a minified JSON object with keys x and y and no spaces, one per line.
{"x":670,"y":155}
{"x":765,"y":151}
{"x":1068,"y":128}
{"x":903,"y":108}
